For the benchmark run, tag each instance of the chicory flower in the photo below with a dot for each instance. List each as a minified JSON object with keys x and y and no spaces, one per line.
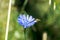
{"x":26,"y":20}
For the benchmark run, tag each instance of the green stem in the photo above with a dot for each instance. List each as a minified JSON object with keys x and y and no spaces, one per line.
{"x":25,"y":33}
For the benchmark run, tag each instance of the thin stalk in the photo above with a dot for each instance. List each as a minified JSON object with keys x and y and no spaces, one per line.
{"x":44,"y":36}
{"x":25,"y":33}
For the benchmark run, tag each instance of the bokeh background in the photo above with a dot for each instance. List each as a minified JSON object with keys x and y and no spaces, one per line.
{"x":16,"y":31}
{"x":3,"y":17}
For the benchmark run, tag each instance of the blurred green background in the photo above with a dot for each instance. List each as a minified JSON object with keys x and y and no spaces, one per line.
{"x":3,"y":17}
{"x":16,"y":32}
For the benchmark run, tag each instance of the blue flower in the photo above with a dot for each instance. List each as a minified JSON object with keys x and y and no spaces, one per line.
{"x":26,"y":20}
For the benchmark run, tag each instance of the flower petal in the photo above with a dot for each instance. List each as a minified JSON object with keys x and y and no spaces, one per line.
{"x":31,"y":23}
{"x":26,"y":21}
{"x":27,"y":17}
{"x":20,"y":16}
{"x":24,"y":17}
{"x":30,"y":18}
{"x":20,"y":21}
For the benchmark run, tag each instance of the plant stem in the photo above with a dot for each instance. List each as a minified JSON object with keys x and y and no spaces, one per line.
{"x":25,"y":33}
{"x":44,"y":36}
